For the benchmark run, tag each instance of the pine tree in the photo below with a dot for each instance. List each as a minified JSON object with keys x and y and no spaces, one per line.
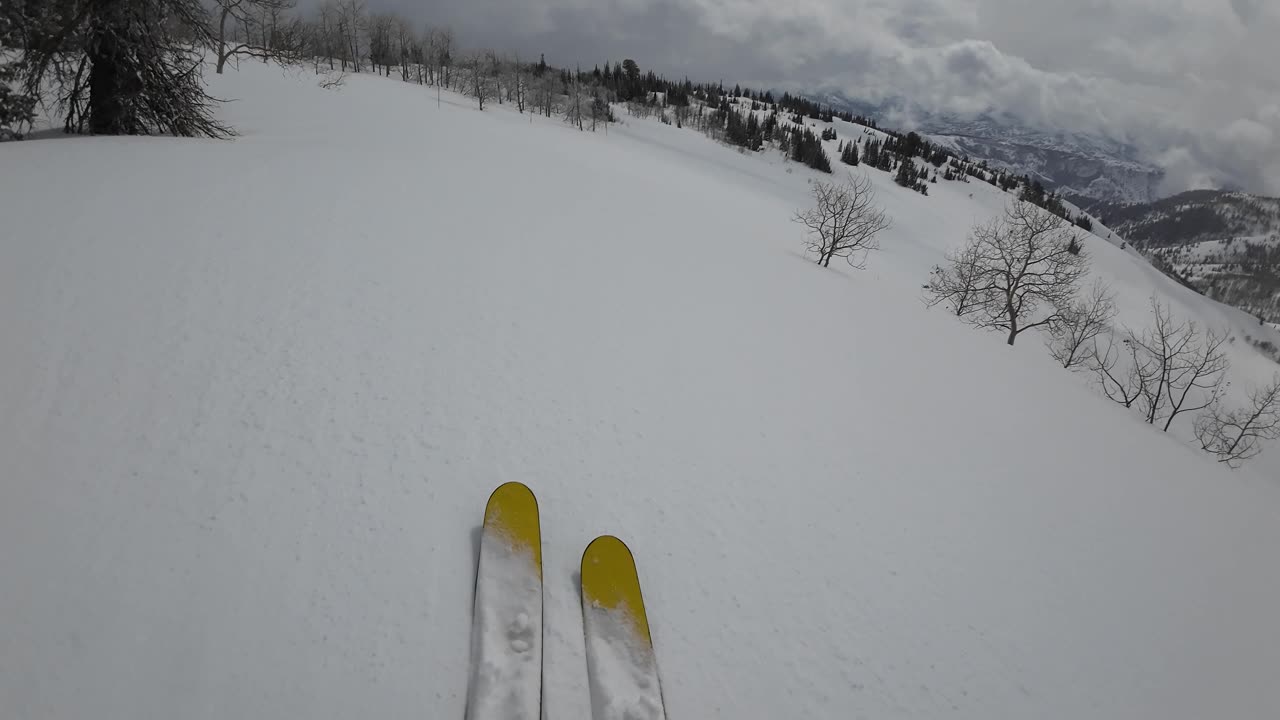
{"x":1033,"y":193}
{"x":850,"y":154}
{"x":872,"y":153}
{"x":906,"y":176}
{"x":16,"y":109}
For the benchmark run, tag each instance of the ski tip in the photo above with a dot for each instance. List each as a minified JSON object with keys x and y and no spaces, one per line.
{"x":512,"y":511}
{"x":609,"y":579}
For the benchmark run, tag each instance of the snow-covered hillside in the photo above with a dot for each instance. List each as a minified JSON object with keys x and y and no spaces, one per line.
{"x":254,"y":394}
{"x":1072,"y":163}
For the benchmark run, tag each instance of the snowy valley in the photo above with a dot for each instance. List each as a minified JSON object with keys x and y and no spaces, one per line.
{"x":255,"y":392}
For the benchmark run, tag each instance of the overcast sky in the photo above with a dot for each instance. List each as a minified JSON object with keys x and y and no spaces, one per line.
{"x":1195,"y":84}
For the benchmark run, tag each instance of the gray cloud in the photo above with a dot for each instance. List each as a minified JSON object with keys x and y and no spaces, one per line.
{"x":1191,"y":83}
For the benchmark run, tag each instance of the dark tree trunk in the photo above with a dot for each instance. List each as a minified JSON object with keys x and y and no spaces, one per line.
{"x":113,"y":83}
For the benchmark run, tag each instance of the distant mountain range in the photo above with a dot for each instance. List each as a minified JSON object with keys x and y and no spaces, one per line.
{"x":1076,"y":164}
{"x":1224,"y":244}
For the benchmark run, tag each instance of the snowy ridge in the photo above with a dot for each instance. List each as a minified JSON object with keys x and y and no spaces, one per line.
{"x":246,"y":440}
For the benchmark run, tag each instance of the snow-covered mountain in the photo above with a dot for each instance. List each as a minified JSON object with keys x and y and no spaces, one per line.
{"x":1075,"y":164}
{"x":254,"y":394}
{"x":1225,"y":244}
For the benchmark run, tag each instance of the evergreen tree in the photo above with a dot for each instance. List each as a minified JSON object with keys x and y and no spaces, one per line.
{"x":886,"y":160}
{"x":807,"y":148}
{"x":1033,"y":193}
{"x":128,"y":67}
{"x":16,"y":108}
{"x":906,"y":176}
{"x":850,"y":154}
{"x":872,"y":153}
{"x":910,"y":147}
{"x":631,"y":73}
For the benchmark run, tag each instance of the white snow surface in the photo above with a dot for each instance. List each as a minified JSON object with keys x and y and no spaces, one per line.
{"x":254,"y":394}
{"x":506,"y":638}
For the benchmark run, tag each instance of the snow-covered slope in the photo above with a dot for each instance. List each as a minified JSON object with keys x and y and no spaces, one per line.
{"x":254,"y":394}
{"x":1071,"y":163}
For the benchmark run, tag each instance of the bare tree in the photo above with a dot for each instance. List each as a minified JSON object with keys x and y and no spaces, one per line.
{"x":1237,"y":435}
{"x":1082,"y":322}
{"x":957,"y":284}
{"x":248,"y":15}
{"x":1188,"y":366}
{"x":444,"y":55}
{"x":1166,"y":370}
{"x":407,"y":48}
{"x":1018,"y":272}
{"x":573,"y":108}
{"x":1123,"y":385}
{"x":381,"y":43}
{"x":518,"y":85}
{"x":328,"y":39}
{"x":351,"y":23}
{"x":681,"y":113}
{"x":494,"y":63}
{"x":844,"y":221}
{"x":544,"y":89}
{"x":479,"y":80}
{"x":438,"y":48}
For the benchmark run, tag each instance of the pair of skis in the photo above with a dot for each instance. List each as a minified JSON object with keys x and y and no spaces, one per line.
{"x":506,"y":634}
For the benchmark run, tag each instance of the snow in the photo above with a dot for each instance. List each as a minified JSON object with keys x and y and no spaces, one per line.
{"x":255,"y":394}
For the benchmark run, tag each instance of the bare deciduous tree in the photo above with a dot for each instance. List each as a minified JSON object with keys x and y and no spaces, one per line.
{"x":479,"y":78}
{"x":576,"y":102}
{"x":351,"y":23}
{"x":955,"y":285}
{"x":406,"y":47}
{"x":381,"y":42}
{"x":1187,"y":366}
{"x":249,"y":16}
{"x":518,"y":83}
{"x":1169,"y":369}
{"x":1122,"y":385}
{"x":1016,"y":273}
{"x":1082,"y":322}
{"x":544,"y":88}
{"x":1237,"y":435}
{"x":844,"y":221}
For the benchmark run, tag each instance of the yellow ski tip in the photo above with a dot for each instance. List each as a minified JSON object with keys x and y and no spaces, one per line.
{"x":512,"y":512}
{"x":609,"y":580}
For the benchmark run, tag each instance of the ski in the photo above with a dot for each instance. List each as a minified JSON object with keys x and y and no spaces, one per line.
{"x":506,"y":625}
{"x":622,"y":669}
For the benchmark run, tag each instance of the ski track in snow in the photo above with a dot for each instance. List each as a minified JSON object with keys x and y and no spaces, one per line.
{"x":253,"y":396}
